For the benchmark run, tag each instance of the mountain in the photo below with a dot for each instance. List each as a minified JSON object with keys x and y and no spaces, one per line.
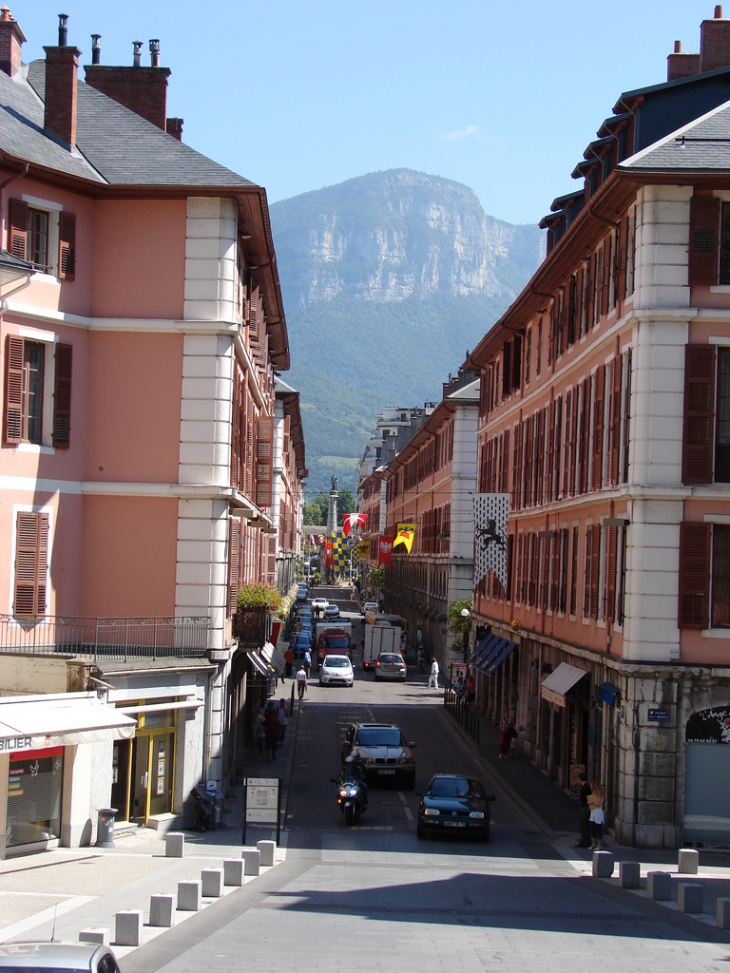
{"x":388,"y":279}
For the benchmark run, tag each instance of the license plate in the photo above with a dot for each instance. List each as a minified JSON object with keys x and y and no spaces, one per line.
{"x":386,"y":771}
{"x":454,"y":824}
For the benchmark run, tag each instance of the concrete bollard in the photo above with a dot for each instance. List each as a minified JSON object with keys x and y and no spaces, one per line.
{"x":233,"y":871}
{"x":688,"y":861}
{"x":251,"y":861}
{"x":174,"y":844}
{"x":690,"y":897}
{"x":267,"y":849}
{"x":629,"y":875}
{"x":602,"y":864}
{"x":100,"y":936}
{"x":723,"y":914}
{"x":212,"y":882}
{"x":128,"y":928}
{"x":658,"y":886}
{"x":188,"y":895}
{"x":162,"y":910}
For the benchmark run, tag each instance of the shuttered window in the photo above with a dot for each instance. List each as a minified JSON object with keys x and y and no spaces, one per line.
{"x":592,"y":571}
{"x":694,"y":575}
{"x":234,"y":562}
{"x":18,"y":228}
{"x":722,"y":423}
{"x":264,"y":461}
{"x":614,"y":422}
{"x":598,"y":412}
{"x":236,"y":432}
{"x":62,"y":397}
{"x":609,"y":587}
{"x":721,"y":575}
{"x":31,"y":564}
{"x":66,"y":246}
{"x":24,"y":374}
{"x":699,"y":395}
{"x":573,"y":608}
{"x":704,"y":227}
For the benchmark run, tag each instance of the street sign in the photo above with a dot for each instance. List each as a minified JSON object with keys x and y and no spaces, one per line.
{"x":261,"y":803}
{"x":658,"y":715}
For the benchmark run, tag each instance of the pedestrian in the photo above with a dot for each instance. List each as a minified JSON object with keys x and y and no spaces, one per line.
{"x":261,"y":734}
{"x":421,"y":659}
{"x":288,"y":662}
{"x":433,"y":679}
{"x":471,"y":690}
{"x":307,"y":662}
{"x":272,"y":727}
{"x":283,"y":714}
{"x":460,"y":689}
{"x":584,"y":813}
{"x":506,"y":733}
{"x":597,"y":817}
{"x":302,"y":682}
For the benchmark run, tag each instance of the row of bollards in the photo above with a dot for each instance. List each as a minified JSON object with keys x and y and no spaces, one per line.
{"x":190,"y":893}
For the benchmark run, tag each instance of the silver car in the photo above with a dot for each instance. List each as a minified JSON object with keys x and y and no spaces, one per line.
{"x":57,"y":958}
{"x":384,"y":754}
{"x":390,"y":665}
{"x":336,"y":670}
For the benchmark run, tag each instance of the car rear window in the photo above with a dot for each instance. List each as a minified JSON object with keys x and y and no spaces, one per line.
{"x":392,"y":659}
{"x":379,"y":736}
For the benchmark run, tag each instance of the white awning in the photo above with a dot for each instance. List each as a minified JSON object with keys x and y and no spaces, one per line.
{"x":274,"y":657}
{"x":561,"y":681}
{"x":259,"y":664}
{"x":38,"y":722}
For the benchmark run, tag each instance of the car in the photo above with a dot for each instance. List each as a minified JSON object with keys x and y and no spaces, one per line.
{"x":384,"y":753}
{"x":390,"y":665}
{"x":57,"y":958}
{"x":332,"y":611}
{"x":320,"y":603}
{"x":300,"y":641}
{"x":454,"y":804}
{"x":369,"y":606}
{"x":336,"y":670}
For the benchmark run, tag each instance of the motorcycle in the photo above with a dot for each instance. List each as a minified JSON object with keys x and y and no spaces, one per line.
{"x":352,"y":794}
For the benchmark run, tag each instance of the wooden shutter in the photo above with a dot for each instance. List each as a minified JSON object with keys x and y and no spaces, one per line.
{"x":527,"y":462}
{"x":14,"y":350}
{"x":516,"y":466}
{"x":264,"y":461}
{"x":614,"y":428}
{"x":234,"y":558}
{"x":504,"y":485}
{"x":557,"y":450}
{"x":236,"y":431}
{"x":699,"y":414}
{"x":555,"y":573}
{"x":598,"y":417}
{"x":626,"y":420}
{"x":62,"y":397}
{"x":704,"y":217}
{"x":31,"y":564}
{"x":568,"y":471}
{"x":694,"y":575}
{"x":606,"y":275}
{"x":18,"y":228}
{"x":584,"y":435}
{"x":518,"y":572}
{"x":517,"y":362}
{"x":609,"y":607}
{"x":510,"y":568}
{"x":623,"y":235}
{"x":595,"y":531}
{"x":506,"y":368}
{"x":66,"y":246}
{"x":586,"y":309}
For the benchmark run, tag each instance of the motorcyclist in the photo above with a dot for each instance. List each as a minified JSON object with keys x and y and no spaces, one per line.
{"x":354,"y":770}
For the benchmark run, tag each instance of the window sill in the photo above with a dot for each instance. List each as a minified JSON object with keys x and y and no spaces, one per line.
{"x":45,"y":278}
{"x":720,"y":289}
{"x":36,"y":449}
{"x":715,"y":633}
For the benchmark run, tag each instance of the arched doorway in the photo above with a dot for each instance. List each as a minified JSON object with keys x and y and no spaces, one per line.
{"x":707,"y":777}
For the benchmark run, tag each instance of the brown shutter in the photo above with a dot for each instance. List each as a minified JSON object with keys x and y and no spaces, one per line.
{"x":506,"y":368}
{"x":504,"y":485}
{"x":264,"y":461}
{"x":557,"y":450}
{"x":694,"y":575}
{"x":703,"y":231}
{"x":66,"y":246}
{"x":587,"y":309}
{"x":584,"y":435}
{"x":234,"y":557}
{"x":18,"y":229}
{"x":527,"y":462}
{"x":598,"y":417}
{"x":626,"y":422}
{"x":236,"y":431}
{"x":605,"y":280}
{"x":595,"y":567}
{"x":610,"y":584}
{"x":517,"y":362}
{"x":699,"y":414}
{"x":568,"y":471}
{"x":31,"y":564}
{"x":547,"y":492}
{"x":614,"y":430}
{"x":516,"y":465}
{"x":623,"y":233}
{"x":13,"y":389}
{"x":555,"y":573}
{"x":62,"y":397}
{"x":518,"y":578}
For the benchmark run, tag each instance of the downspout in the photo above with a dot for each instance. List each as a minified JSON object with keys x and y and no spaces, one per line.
{"x":18,"y":175}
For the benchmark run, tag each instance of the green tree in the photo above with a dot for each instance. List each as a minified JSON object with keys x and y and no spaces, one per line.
{"x":315,"y":512}
{"x":345,"y":502}
{"x":459,"y":624}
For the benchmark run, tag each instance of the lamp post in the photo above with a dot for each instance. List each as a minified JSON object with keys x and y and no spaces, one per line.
{"x":465,"y":613}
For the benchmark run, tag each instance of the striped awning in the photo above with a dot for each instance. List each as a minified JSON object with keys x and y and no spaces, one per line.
{"x":560,"y":682}
{"x":491,"y":653}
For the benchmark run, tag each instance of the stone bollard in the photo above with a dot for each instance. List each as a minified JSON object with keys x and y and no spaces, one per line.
{"x":233,"y":871}
{"x":267,"y":849}
{"x":212,"y":881}
{"x":100,"y":936}
{"x":690,"y":897}
{"x":723,"y":914}
{"x":688,"y":861}
{"x":128,"y":928}
{"x":251,"y":861}
{"x":188,"y":895}
{"x":174,"y":844}
{"x":161,"y":910}
{"x":658,"y":886}
{"x":629,"y":875}
{"x":602,"y":864}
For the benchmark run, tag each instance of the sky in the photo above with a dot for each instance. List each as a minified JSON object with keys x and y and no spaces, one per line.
{"x":300,"y":94}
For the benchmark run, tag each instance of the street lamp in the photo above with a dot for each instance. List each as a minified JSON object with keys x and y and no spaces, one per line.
{"x":465,"y":613}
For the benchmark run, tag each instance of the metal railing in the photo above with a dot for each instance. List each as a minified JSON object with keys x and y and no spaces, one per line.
{"x":468,"y":718}
{"x":105,"y":638}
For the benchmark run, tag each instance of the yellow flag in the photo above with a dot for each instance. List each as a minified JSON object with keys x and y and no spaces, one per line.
{"x":404,"y":535}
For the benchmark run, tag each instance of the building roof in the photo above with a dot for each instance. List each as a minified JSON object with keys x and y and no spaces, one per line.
{"x":701,"y":145}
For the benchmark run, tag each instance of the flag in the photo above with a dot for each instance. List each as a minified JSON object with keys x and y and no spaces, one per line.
{"x":311,"y":540}
{"x":385,"y":549}
{"x":340,"y":553}
{"x":490,"y":535}
{"x":321,"y":539}
{"x":353,"y":520}
{"x":404,"y":534}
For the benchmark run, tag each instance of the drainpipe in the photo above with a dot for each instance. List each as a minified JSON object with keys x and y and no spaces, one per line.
{"x":18,"y":175}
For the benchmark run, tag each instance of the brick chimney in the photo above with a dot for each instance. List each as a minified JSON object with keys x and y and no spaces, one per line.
{"x":62,"y":65}
{"x":142,"y":90}
{"x":11,"y":39}
{"x":681,"y":65}
{"x":715,"y":43}
{"x":174,"y":127}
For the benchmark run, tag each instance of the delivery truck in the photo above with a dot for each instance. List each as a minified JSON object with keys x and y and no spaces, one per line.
{"x":379,"y":638}
{"x":333,"y":638}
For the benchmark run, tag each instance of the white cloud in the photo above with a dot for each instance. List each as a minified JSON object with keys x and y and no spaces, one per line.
{"x":461,"y":133}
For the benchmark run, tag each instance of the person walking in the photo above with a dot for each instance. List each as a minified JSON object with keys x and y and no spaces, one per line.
{"x":272,"y":728}
{"x":460,"y":690}
{"x":283,"y":714}
{"x":506,"y":732}
{"x":307,"y":662}
{"x":471,"y":691}
{"x":288,"y":662}
{"x":302,"y":682}
{"x":584,"y":813}
{"x":597,"y":817}
{"x":433,"y":679}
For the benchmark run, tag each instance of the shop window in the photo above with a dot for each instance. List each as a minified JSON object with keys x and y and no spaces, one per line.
{"x":35,"y":780}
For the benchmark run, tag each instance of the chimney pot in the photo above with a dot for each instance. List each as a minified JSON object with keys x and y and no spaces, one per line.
{"x":63,"y":30}
{"x":718,"y":12}
{"x":677,"y":47}
{"x":11,"y":41}
{"x":155,"y":52}
{"x":5,"y":12}
{"x":137,"y":48}
{"x":96,"y":48}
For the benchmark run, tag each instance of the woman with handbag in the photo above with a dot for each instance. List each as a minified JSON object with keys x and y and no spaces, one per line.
{"x":597,"y":817}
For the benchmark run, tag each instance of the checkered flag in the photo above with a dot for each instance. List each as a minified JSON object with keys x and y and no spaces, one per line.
{"x":490,"y":535}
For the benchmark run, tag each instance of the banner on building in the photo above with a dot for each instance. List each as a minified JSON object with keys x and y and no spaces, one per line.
{"x":340,"y":553}
{"x":404,"y":534}
{"x":362,"y":548}
{"x":385,"y":549}
{"x":490,"y":535}
{"x":352,"y":520}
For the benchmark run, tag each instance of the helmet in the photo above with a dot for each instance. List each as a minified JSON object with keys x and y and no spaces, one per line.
{"x":350,"y":761}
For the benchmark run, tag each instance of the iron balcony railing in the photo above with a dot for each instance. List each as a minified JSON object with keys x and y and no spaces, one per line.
{"x":105,"y":638}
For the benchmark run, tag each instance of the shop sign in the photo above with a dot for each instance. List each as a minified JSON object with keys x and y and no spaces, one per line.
{"x":658,"y":715}
{"x":13,"y":744}
{"x":709,"y":726}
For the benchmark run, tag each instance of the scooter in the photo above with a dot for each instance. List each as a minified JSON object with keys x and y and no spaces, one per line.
{"x":352,"y":795}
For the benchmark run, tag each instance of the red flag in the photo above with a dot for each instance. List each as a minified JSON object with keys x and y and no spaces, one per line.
{"x":385,"y":549}
{"x":352,"y":520}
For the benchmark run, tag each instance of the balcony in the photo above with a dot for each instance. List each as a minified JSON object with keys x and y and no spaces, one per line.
{"x":105,"y":639}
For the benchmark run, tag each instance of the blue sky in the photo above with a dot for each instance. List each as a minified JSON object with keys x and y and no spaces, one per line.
{"x":300,"y":94}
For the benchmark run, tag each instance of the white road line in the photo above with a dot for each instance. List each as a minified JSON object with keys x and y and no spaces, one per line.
{"x":404,"y":802}
{"x":45,"y":916}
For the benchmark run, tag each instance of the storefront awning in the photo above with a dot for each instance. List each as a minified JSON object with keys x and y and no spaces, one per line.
{"x":38,"y":722}
{"x":491,"y":653}
{"x":560,"y":682}
{"x":260,"y":665}
{"x":274,"y":657}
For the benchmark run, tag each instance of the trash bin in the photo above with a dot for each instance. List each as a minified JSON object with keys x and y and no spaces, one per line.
{"x":105,"y":827}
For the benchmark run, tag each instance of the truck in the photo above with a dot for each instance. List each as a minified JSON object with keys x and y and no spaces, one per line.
{"x":379,"y":638}
{"x":333,"y":638}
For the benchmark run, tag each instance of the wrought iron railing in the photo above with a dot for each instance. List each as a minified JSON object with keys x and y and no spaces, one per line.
{"x":105,"y":638}
{"x":462,"y":713}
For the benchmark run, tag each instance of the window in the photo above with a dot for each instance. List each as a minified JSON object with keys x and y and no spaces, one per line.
{"x":45,"y":237}
{"x":28,"y":383}
{"x":31,"y":564}
{"x":704,"y":575}
{"x":720,"y":576}
{"x":722,"y":425}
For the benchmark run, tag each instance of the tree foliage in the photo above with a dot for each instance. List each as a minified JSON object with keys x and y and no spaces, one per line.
{"x":458,"y":624}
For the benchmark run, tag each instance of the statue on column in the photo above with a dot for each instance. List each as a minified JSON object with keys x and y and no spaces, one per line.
{"x":334,"y":482}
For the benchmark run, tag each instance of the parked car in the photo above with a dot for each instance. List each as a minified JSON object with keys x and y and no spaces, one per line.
{"x":390,"y":665}
{"x":369,"y":606}
{"x":320,"y":603}
{"x":300,"y":641}
{"x":332,"y":611}
{"x":336,"y":670}
{"x":455,"y":805}
{"x":384,"y":753}
{"x":58,"y":957}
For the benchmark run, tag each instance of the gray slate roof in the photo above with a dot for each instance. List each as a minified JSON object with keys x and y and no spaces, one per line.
{"x":701,"y":146}
{"x":114,"y":145}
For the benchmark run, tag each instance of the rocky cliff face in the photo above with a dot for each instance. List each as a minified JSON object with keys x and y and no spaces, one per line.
{"x":394,"y":235}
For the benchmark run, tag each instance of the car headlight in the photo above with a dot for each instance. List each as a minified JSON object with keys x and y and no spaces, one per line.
{"x":432,"y":812}
{"x":476,"y":814}
{"x":406,"y":760}
{"x":368,"y":760}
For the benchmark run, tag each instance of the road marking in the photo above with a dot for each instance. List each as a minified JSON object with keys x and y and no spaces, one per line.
{"x":404,"y":802}
{"x":45,"y":916}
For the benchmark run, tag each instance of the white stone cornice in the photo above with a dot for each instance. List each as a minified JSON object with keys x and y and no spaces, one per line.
{"x":159,"y":325}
